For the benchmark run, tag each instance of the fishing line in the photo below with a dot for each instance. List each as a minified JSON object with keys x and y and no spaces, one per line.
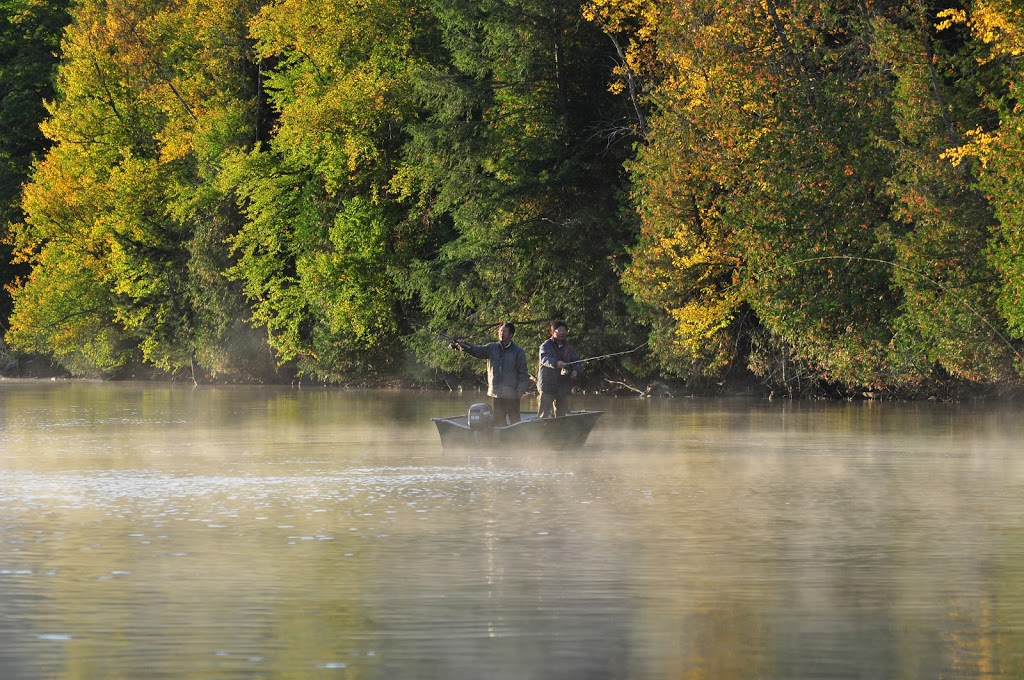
{"x":925,"y":277}
{"x":514,"y":322}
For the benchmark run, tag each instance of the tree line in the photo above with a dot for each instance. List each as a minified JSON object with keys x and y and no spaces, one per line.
{"x":823,"y":196}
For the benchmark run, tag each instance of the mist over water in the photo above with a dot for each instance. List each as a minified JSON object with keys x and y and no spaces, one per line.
{"x":165,"y":531}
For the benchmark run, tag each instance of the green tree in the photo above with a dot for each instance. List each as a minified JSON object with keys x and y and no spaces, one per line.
{"x":941,"y":222}
{"x":760,"y":172}
{"x":30,"y":32}
{"x":991,"y":142}
{"x":318,"y":249}
{"x":514,"y":177}
{"x":150,"y":97}
{"x":798,"y":215}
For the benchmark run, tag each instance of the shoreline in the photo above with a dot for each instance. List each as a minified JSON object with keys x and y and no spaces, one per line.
{"x":746,"y":385}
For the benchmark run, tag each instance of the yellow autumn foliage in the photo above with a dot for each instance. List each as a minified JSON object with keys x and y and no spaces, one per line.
{"x":998,"y":23}
{"x":701,"y":324}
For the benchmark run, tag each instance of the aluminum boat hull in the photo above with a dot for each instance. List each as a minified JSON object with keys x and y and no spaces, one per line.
{"x":564,"y":433}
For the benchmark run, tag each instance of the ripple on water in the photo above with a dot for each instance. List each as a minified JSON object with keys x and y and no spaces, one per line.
{"x":105,"y":489}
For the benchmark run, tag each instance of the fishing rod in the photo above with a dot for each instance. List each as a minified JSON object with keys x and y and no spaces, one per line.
{"x":605,"y":356}
{"x":450,"y":339}
{"x":515,"y":322}
{"x":454,"y":342}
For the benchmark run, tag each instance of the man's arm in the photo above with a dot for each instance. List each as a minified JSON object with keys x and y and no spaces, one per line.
{"x":548,"y":355}
{"x":478,"y":351}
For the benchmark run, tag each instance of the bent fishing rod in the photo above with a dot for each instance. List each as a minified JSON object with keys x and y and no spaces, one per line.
{"x":452,"y":341}
{"x":605,"y":356}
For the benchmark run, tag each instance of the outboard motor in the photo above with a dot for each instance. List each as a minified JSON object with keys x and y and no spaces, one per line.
{"x":481,"y":417}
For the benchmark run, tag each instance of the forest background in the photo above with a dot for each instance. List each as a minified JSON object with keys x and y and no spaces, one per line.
{"x":812,"y":197}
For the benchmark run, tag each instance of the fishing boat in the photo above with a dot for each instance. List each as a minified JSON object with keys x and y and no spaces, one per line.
{"x":477,"y":429}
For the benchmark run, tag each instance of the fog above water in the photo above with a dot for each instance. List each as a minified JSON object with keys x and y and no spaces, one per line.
{"x":167,"y":531}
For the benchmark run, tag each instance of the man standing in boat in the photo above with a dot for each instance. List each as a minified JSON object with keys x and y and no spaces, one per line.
{"x":507,"y":376}
{"x":559,"y":366}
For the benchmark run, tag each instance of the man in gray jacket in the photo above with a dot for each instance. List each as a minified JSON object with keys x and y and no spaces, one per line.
{"x":559,"y":366}
{"x":507,"y":376}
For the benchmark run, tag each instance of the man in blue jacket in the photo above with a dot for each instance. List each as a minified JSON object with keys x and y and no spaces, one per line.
{"x":507,"y":376}
{"x":559,"y":366}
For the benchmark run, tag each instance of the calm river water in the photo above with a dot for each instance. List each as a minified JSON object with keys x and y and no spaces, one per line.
{"x":242,"y":532}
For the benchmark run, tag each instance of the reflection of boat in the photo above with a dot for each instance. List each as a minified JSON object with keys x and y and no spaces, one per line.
{"x":476,"y":429}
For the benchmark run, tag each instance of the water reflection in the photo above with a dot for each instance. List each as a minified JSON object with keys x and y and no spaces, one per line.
{"x":273,"y":532}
